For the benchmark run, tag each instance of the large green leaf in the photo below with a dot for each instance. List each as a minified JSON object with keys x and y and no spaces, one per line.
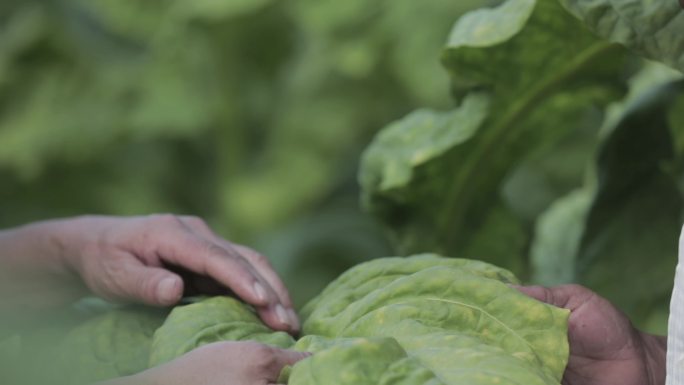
{"x":418,"y":320}
{"x":525,"y":74}
{"x":358,"y":281}
{"x":652,"y":28}
{"x":358,"y":361}
{"x":412,"y":299}
{"x":210,"y":320}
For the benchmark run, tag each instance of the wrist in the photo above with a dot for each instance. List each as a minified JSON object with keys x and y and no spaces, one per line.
{"x":655,"y":348}
{"x":37,"y":267}
{"x":33,"y":250}
{"x":66,"y":240}
{"x":57,"y":243}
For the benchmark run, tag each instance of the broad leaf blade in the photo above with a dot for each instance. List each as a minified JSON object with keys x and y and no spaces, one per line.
{"x":210,"y":320}
{"x":652,"y":28}
{"x":451,"y":315}
{"x":540,"y":76}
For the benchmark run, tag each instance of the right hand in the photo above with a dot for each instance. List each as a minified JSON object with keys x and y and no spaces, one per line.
{"x":605,"y":349}
{"x":220,"y":363}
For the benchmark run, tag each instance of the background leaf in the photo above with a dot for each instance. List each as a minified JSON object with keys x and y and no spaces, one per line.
{"x":250,"y":114}
{"x":554,"y":86}
{"x":635,"y":190}
{"x":652,"y":28}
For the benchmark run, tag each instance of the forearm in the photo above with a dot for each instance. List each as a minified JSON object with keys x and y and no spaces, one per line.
{"x":656,"y":352}
{"x":35,"y":266}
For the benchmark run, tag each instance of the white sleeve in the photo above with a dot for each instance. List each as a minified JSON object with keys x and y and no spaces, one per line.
{"x":675,"y":327}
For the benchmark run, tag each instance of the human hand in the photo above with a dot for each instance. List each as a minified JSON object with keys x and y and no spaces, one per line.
{"x":142,"y":259}
{"x":151,"y":260}
{"x":605,"y":349}
{"x":224,"y":363}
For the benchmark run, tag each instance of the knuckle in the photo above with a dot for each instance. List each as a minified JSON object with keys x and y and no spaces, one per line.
{"x":252,"y":256}
{"x":166,"y":219}
{"x":548,"y":295}
{"x":263,"y":357}
{"x":224,"y":345}
{"x":194,"y":221}
{"x":578,"y":289}
{"x":212,"y":250}
{"x":260,"y":258}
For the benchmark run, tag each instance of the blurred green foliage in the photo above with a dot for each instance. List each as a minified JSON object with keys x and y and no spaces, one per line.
{"x":251,"y":114}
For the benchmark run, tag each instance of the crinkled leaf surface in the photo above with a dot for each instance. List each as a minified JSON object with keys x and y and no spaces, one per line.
{"x":466,"y":305}
{"x":523,"y":74}
{"x":210,"y":320}
{"x":418,"y":320}
{"x":652,"y":28}
{"x":359,"y":361}
{"x":360,"y":280}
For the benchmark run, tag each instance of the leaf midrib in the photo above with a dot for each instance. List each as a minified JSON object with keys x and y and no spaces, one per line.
{"x":459,"y":191}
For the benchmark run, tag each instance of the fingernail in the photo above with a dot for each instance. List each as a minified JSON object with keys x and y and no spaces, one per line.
{"x":166,"y":290}
{"x":282,"y":315}
{"x":260,"y":291}
{"x":294,"y":320}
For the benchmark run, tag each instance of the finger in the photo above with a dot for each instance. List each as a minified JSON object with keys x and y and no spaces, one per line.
{"x":196,"y":225}
{"x":287,"y":357}
{"x":274,"y":314}
{"x":568,"y":297}
{"x":205,"y":258}
{"x":149,"y":285}
{"x":283,"y":358}
{"x":257,"y":260}
{"x":264,"y":267}
{"x":226,"y":266}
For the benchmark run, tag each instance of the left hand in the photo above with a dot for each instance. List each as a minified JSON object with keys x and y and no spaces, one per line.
{"x":153,"y":260}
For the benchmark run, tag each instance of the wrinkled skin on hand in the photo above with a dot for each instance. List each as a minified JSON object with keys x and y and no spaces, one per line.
{"x":605,"y":348}
{"x":152,"y":260}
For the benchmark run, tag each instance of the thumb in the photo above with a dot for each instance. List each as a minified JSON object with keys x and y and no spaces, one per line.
{"x":564,"y":296}
{"x":283,"y":358}
{"x":151,"y":285}
{"x":286,"y":357}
